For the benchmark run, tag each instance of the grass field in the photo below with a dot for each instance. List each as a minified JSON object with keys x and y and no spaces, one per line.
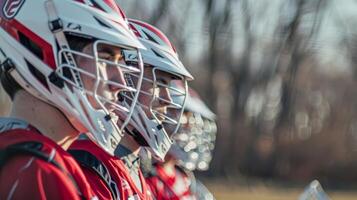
{"x":229,"y":192}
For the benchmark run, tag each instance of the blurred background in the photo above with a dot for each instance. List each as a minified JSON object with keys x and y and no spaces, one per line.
{"x":280,"y":75}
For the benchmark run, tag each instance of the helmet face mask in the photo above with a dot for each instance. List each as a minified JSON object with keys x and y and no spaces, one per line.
{"x":153,"y":118}
{"x":162,"y":94}
{"x":81,"y":83}
{"x":96,"y":82}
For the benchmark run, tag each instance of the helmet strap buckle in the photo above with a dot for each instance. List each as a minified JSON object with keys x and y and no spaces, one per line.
{"x":56,"y":25}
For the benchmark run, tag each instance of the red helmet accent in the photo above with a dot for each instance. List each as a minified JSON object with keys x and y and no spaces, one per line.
{"x":114,"y":6}
{"x":15,"y":28}
{"x":156,"y":31}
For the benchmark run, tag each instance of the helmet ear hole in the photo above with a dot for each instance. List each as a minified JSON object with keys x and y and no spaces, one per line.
{"x":36,"y":73}
{"x":30,"y":45}
{"x":38,"y":52}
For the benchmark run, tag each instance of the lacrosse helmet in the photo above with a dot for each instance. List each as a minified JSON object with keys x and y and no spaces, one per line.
{"x":38,"y":41}
{"x":147,"y":124}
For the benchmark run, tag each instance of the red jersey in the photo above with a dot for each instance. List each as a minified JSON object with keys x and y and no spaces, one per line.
{"x":117,"y":179}
{"x":166,"y":187}
{"x":35,"y":167}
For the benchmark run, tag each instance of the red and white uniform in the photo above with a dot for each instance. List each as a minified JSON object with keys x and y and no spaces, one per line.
{"x":119,"y":175}
{"x":173,"y":187}
{"x":25,"y":176}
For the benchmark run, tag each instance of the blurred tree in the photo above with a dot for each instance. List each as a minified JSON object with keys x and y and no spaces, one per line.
{"x":258,"y":69}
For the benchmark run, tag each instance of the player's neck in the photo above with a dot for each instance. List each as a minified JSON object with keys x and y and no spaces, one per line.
{"x":129,"y":143}
{"x":46,"y":118}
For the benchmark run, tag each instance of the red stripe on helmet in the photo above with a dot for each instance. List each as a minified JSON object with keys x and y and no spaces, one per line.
{"x":122,"y":12}
{"x":9,"y":28}
{"x":114,"y":6}
{"x":14,"y":26}
{"x":136,"y":32}
{"x":154,"y":30}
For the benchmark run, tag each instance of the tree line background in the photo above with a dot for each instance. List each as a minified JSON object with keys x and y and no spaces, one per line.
{"x":279,"y":74}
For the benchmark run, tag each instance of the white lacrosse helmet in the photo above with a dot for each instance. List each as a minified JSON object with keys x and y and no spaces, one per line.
{"x":147,"y":125}
{"x":38,"y":54}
